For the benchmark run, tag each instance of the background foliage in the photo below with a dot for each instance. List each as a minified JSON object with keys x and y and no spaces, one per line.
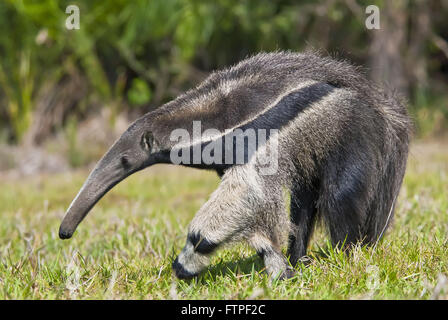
{"x":132,"y":56}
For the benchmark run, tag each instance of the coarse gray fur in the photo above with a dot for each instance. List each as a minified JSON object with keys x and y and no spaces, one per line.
{"x":342,"y":152}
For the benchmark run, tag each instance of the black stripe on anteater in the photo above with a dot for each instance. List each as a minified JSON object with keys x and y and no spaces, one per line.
{"x":277,"y":117}
{"x":201,"y":244}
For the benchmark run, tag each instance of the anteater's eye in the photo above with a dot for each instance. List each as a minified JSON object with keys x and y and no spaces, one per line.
{"x":125,"y":162}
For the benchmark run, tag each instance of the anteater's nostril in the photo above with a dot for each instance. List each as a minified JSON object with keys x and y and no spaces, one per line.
{"x":63,"y":234}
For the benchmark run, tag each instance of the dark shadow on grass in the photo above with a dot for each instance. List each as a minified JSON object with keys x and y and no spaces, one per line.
{"x":321,"y":253}
{"x":240,"y":268}
{"x":245,"y":267}
{"x":328,"y":251}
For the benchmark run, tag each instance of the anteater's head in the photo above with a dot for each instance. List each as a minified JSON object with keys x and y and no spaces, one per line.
{"x":133,"y":151}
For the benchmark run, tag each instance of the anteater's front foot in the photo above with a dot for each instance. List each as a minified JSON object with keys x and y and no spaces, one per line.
{"x":189,"y":263}
{"x":181,"y":272}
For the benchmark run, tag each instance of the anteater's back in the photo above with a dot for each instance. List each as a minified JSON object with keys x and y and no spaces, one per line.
{"x":229,"y":97}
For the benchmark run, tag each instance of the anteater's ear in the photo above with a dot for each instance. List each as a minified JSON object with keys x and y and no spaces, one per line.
{"x":147,"y":141}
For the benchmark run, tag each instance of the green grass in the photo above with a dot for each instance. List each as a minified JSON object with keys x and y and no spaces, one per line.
{"x":124,"y":248}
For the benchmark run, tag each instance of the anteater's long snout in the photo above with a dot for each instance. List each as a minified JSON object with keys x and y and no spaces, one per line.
{"x":78,"y":209}
{"x":103,"y":178}
{"x":91,"y":192}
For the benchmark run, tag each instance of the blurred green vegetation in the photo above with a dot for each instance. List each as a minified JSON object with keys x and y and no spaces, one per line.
{"x":132,"y":56}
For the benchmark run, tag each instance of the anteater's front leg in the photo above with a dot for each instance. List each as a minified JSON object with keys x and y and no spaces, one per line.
{"x":226,"y":216}
{"x":235,"y":211}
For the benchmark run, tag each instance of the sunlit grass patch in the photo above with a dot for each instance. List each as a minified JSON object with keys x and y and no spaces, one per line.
{"x":125,"y":246}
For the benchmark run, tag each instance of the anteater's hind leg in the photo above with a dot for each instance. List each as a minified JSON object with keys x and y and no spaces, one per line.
{"x":303,"y":217}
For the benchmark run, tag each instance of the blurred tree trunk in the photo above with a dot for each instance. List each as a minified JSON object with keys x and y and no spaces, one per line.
{"x":54,"y":101}
{"x":416,"y":59}
{"x":388,"y":44}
